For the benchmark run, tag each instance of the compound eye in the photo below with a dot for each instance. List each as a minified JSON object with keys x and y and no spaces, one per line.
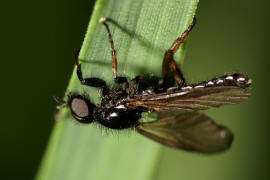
{"x":81,"y":109}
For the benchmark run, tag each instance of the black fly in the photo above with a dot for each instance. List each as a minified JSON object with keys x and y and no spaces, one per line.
{"x":178,"y":124}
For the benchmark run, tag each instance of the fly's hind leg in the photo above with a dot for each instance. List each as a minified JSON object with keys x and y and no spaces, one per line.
{"x":169,"y":64}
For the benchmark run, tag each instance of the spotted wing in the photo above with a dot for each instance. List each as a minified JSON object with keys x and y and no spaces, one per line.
{"x":190,"y":131}
{"x":197,"y":97}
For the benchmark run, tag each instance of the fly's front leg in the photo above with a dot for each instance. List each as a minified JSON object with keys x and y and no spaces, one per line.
{"x":169,"y":64}
{"x":93,"y":82}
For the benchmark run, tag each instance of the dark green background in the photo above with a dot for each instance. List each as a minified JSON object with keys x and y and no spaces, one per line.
{"x":38,"y":43}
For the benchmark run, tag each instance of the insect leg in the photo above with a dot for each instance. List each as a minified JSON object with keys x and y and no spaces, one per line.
{"x":93,"y":82}
{"x":114,"y":58}
{"x":169,"y":63}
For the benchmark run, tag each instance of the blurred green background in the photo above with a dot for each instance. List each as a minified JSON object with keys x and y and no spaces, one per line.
{"x":38,"y":43}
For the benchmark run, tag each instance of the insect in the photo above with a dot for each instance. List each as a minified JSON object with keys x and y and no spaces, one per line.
{"x":178,"y":124}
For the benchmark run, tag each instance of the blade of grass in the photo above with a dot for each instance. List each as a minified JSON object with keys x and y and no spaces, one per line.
{"x":142,"y":31}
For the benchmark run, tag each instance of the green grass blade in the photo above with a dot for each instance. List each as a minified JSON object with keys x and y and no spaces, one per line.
{"x":142,"y":31}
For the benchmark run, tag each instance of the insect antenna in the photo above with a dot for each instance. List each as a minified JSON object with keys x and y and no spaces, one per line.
{"x":62,"y":104}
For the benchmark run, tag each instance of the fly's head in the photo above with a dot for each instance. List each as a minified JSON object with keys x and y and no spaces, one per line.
{"x":81,"y":108}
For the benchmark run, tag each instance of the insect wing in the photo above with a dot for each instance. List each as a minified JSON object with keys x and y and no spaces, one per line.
{"x":193,"y":99}
{"x":191,"y":131}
